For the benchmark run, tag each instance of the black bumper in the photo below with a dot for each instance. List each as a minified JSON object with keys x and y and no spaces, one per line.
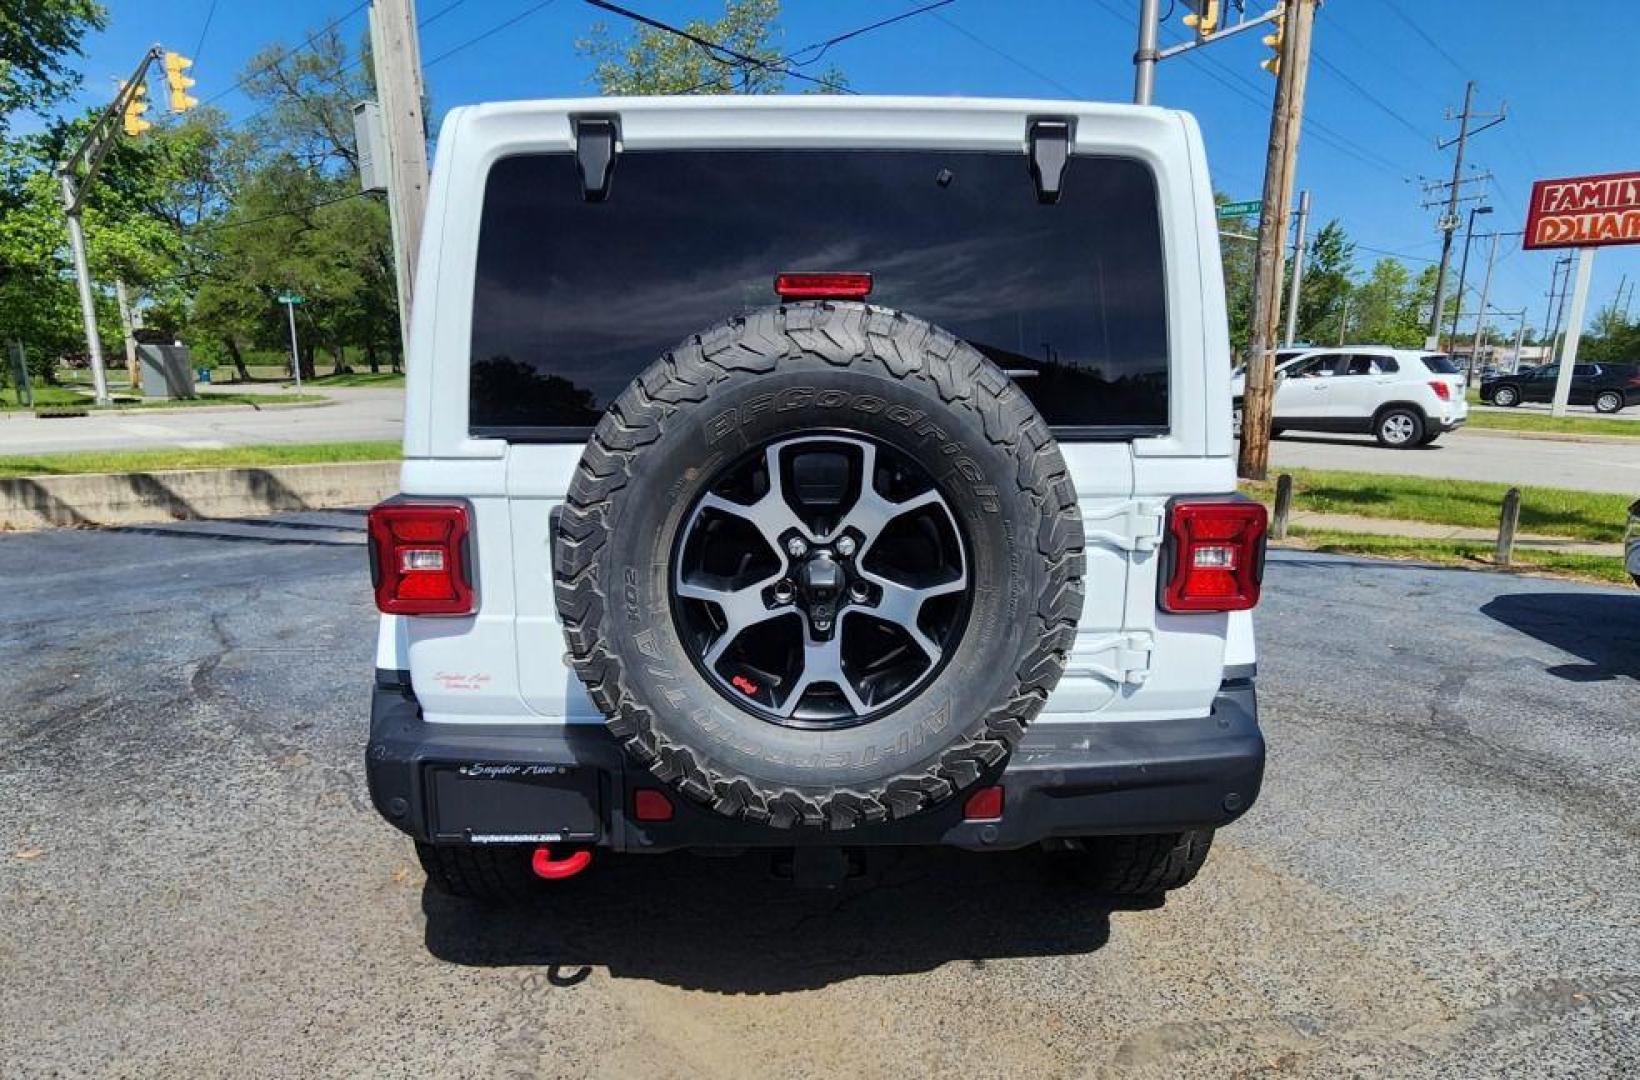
{"x":1151,"y":776}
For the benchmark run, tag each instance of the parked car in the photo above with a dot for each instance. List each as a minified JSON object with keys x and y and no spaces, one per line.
{"x":1403,"y":397}
{"x":1631,"y":543}
{"x":800,"y":428}
{"x":1608,"y":387}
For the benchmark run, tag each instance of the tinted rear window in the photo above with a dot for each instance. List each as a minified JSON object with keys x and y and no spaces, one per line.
{"x":1441,"y":365}
{"x":573,"y":299}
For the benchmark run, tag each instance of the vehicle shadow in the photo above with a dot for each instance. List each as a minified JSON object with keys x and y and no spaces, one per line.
{"x":1602,"y":628}
{"x":724,"y":925}
{"x":1364,"y":441}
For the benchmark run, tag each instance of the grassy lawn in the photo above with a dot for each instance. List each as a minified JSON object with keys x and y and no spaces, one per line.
{"x":1565,"y":425}
{"x":122,"y":461}
{"x":1577,"y":515}
{"x":1471,"y":553}
{"x":11,"y":398}
{"x":358,"y":378}
{"x":60,"y":397}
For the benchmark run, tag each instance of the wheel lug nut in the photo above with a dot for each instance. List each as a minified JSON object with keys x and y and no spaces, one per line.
{"x":796,"y":548}
{"x":784,"y":591}
{"x":859,"y":591}
{"x":845,"y":546}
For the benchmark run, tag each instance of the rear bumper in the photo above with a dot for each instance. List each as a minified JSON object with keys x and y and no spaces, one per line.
{"x":1064,"y":780}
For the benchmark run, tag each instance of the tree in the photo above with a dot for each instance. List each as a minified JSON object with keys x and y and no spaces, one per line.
{"x":36,"y":39}
{"x":1612,"y":338}
{"x":1385,"y":309}
{"x":1328,"y":268}
{"x":648,"y":60}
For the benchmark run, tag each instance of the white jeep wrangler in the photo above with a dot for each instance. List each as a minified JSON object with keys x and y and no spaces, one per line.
{"x":812,"y":475}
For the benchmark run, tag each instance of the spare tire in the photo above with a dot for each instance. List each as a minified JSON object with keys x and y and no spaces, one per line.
{"x":820,"y":565}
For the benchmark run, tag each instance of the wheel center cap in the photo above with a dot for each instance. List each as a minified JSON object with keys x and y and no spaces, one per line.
{"x":821,"y":581}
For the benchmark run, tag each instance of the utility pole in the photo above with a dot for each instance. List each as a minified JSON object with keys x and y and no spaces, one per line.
{"x":1554,"y":284}
{"x":1280,"y":163}
{"x":1480,"y":319}
{"x":1449,"y":218}
{"x":396,"y":53}
{"x":1463,"y":274}
{"x":130,"y":328}
{"x":1298,"y":267}
{"x":1344,"y":322}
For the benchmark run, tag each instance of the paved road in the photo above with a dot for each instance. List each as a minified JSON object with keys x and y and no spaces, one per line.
{"x":354,"y":413}
{"x":1474,"y":455}
{"x":1441,"y":879}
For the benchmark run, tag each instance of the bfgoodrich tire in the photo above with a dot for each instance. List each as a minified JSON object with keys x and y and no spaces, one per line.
{"x":871,"y":381}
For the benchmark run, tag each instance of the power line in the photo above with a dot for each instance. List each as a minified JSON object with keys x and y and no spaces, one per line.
{"x":239,"y":83}
{"x":491,"y":32}
{"x":277,"y":214}
{"x":712,"y":48}
{"x":1014,"y":60}
{"x":210,"y":13}
{"x":1368,"y":94}
{"x":1431,"y":42}
{"x":840,"y":38}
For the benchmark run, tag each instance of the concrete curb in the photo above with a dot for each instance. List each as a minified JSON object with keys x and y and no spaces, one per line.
{"x":92,"y":499}
{"x":1556,"y":436}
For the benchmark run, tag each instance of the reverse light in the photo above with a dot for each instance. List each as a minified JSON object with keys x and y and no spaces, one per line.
{"x":822,"y":286}
{"x":418,"y":558}
{"x":1442,"y":391}
{"x":1217,"y":555}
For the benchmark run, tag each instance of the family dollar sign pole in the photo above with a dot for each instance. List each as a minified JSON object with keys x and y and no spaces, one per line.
{"x":290,"y":300}
{"x":1582,"y":212}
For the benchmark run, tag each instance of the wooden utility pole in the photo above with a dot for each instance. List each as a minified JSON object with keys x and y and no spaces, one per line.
{"x":396,"y":53}
{"x":1280,"y":165}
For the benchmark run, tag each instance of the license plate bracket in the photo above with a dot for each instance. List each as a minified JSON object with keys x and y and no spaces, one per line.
{"x":479,"y":802}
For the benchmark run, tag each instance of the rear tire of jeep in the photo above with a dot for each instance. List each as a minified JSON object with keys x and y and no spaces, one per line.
{"x":1141,"y":865}
{"x":901,"y":390}
{"x":496,"y":875}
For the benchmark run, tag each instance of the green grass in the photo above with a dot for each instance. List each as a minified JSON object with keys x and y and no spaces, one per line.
{"x":1565,"y":425}
{"x":358,"y":378}
{"x":58,"y":397}
{"x":1472,"y":553}
{"x":10,"y":398}
{"x":1577,"y":515}
{"x":124,"y":461}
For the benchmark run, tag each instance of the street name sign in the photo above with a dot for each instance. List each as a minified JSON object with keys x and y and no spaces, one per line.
{"x":1240,"y":209}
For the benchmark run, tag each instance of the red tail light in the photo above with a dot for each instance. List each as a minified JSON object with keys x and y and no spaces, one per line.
{"x":1442,"y":391}
{"x":418,"y":558}
{"x":1217,"y":552}
{"x":827,"y":286}
{"x":985,"y":804}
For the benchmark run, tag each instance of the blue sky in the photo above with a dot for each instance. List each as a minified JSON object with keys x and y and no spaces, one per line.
{"x":1378,"y":87}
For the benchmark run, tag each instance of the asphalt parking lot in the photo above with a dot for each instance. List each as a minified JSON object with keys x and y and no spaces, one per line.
{"x":1440,"y":879}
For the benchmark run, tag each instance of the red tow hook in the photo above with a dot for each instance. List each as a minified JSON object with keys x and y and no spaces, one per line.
{"x":545,"y":866}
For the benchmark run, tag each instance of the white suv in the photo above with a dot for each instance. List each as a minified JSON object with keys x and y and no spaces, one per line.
{"x":814,"y":474}
{"x":1403,"y":397}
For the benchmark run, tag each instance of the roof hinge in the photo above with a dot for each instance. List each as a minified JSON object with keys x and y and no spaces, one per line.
{"x":1135,"y":525}
{"x":1049,"y":143}
{"x":1122,"y":659}
{"x":596,"y":144}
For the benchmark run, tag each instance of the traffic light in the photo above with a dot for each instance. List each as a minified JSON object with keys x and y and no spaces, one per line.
{"x":135,"y":106}
{"x":1273,"y":40}
{"x":175,"y":65}
{"x":1203,"y":17}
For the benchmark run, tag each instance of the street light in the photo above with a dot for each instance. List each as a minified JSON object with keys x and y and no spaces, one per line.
{"x":1463,"y":269}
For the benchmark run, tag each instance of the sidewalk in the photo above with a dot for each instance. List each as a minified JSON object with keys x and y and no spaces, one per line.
{"x":1423,"y":530}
